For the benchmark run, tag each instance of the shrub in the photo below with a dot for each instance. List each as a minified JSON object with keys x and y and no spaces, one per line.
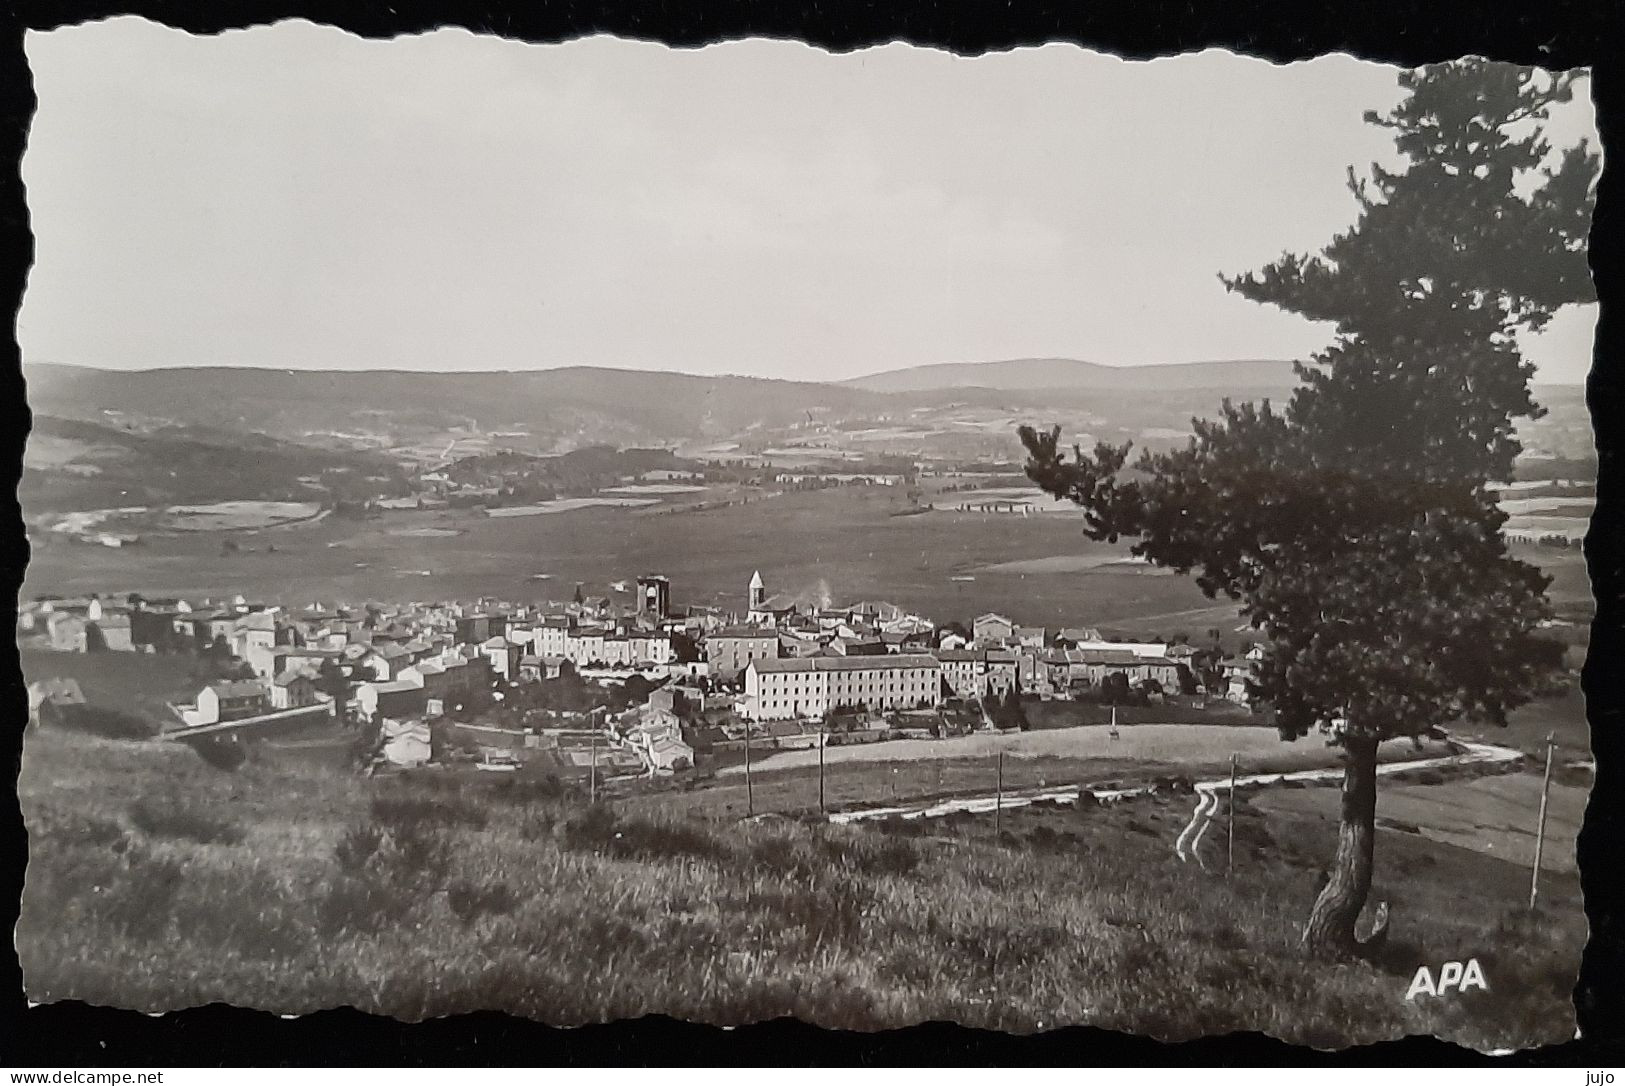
{"x":871,"y":855}
{"x":357,"y":847}
{"x":469,"y":901}
{"x":221,"y":753}
{"x":359,"y":906}
{"x":397,"y":811}
{"x":793,"y":860}
{"x":517,"y":788}
{"x":418,"y":853}
{"x":537,"y":823}
{"x":1042,"y":837}
{"x":109,"y":723}
{"x":657,"y":839}
{"x":585,"y":828}
{"x":598,"y":829}
{"x":176,"y":821}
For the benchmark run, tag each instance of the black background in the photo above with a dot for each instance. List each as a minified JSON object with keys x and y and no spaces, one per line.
{"x":1558,"y":35}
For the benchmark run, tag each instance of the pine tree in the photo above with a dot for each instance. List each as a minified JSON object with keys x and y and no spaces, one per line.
{"x":1356,"y":526}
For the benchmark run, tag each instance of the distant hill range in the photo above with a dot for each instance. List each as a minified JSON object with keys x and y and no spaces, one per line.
{"x":559,"y":408}
{"x":962,"y":410}
{"x":1238,"y":376}
{"x":580,"y":405}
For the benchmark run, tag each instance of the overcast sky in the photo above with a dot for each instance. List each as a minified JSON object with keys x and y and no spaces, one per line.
{"x":293,"y":196}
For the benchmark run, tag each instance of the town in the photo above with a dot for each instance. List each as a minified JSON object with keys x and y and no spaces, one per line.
{"x":610,"y":686}
{"x":867,"y":537}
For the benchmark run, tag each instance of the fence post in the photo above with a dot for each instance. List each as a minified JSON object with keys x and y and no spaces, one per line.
{"x":822,"y":739}
{"x":1230,"y":851}
{"x":1540,"y":831}
{"x":750,"y":792}
{"x":998,"y":801}
{"x":592,"y":766}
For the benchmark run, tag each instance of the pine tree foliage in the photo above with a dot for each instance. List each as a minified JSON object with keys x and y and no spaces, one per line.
{"x":1355,"y":525}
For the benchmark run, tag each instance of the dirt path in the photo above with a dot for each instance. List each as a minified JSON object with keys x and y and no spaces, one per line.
{"x":1207,"y":790}
{"x":1174,"y":744}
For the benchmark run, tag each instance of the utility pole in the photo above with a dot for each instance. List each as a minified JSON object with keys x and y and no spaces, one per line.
{"x":592,"y":770}
{"x":823,"y":737}
{"x":1230,"y":852}
{"x":1540,"y":831}
{"x":998,"y":802}
{"x":750,"y":792}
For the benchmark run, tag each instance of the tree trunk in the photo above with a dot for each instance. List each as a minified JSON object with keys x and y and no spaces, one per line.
{"x":1331,"y":921}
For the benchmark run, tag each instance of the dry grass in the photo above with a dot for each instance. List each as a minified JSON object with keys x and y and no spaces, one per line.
{"x":419,"y":899}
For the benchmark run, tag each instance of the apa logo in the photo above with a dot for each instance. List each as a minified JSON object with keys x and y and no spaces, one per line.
{"x":1451,"y":975}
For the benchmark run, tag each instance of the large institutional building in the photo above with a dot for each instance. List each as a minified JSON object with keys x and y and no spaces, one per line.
{"x":788,"y":689}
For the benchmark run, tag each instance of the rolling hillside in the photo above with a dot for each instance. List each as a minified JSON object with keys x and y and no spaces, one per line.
{"x":601,"y":405}
{"x":72,"y":464}
{"x":956,"y":411}
{"x":1241,"y":376}
{"x":562,"y":408}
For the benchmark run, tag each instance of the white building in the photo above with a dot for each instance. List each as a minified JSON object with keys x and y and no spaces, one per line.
{"x":979,"y":673}
{"x":551,"y":637}
{"x":650,"y":648}
{"x":788,"y":689}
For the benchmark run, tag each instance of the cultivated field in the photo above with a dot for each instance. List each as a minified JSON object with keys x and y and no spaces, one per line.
{"x":235,"y":515}
{"x":157,"y":882}
{"x":846,"y":541}
{"x":1073,"y":563}
{"x":570,"y":505}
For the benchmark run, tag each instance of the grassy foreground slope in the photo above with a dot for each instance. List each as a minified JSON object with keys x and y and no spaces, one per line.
{"x":157,"y":882}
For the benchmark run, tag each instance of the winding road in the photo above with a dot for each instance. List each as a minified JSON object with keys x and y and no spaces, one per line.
{"x":1207,"y":803}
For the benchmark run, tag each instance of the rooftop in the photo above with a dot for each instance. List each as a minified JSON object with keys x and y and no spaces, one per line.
{"x":744,"y":631}
{"x":897,"y":662}
{"x":238,"y":688}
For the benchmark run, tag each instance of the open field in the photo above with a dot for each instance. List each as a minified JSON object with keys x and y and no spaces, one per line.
{"x":236,"y":515}
{"x":654,"y":488}
{"x":1538,"y":527}
{"x":845,"y":540}
{"x":426,"y":533}
{"x":1557,"y":506}
{"x":1072,"y":563}
{"x":569,"y":505}
{"x":1563,"y":717}
{"x":1495,"y":816}
{"x":1570,"y":590}
{"x":296,"y":890}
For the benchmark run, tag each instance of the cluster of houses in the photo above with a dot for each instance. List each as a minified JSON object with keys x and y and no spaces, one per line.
{"x":767,"y":661}
{"x":876,"y":662}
